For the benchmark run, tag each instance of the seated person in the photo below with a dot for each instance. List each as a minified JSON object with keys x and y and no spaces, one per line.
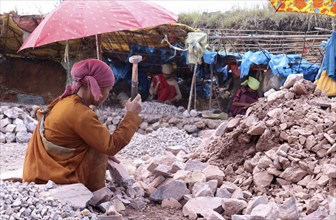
{"x":164,"y":87}
{"x":70,"y":144}
{"x":245,"y":96}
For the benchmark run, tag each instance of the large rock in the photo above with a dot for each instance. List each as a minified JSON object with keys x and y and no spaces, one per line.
{"x":76,"y":195}
{"x":289,"y":210}
{"x":293,"y":174}
{"x":201,"y":206}
{"x":262,"y":179}
{"x":265,"y":211}
{"x":171,"y":188}
{"x":233,"y":206}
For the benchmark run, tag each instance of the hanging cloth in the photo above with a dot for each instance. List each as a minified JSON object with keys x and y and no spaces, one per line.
{"x":196,"y":43}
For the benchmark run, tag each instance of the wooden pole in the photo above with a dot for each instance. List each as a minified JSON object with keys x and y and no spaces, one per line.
{"x":268,"y":37}
{"x":195,"y":92}
{"x":193,"y":82}
{"x":211,"y":82}
{"x":211,"y":86}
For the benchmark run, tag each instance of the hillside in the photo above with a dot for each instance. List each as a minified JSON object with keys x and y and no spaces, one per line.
{"x":256,"y":19}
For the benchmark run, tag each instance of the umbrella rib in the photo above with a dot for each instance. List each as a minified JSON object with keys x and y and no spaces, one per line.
{"x":277,"y":9}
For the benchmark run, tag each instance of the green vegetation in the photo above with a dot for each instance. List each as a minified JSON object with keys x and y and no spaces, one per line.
{"x":256,"y":19}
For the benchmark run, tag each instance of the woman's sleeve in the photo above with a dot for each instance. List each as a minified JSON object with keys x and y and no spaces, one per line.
{"x":178,"y":96}
{"x":96,"y":135}
{"x":236,"y":96}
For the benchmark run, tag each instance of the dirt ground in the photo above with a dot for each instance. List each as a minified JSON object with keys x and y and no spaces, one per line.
{"x":153,"y":212}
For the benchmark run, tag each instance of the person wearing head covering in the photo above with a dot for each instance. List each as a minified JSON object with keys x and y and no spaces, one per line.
{"x":164,"y":87}
{"x":245,"y":96}
{"x":70,"y":144}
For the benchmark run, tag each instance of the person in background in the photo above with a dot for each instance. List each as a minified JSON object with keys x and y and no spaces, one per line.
{"x":70,"y":144}
{"x":164,"y":87}
{"x":245,"y":96}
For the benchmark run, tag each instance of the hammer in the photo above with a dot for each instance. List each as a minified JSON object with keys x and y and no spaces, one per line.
{"x":135,"y":59}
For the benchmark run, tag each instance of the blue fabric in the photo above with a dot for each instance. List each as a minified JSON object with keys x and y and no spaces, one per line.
{"x":120,"y":71}
{"x":292,"y":64}
{"x":124,"y":72}
{"x":221,"y":66}
{"x":203,"y":91}
{"x":184,"y":61}
{"x":286,"y":64}
{"x":329,"y":60}
{"x":159,"y":55}
{"x":209,"y":57}
{"x":249,"y":58}
{"x":279,"y":64}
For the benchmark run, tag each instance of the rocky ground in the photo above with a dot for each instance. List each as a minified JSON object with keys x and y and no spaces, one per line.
{"x":275,"y":162}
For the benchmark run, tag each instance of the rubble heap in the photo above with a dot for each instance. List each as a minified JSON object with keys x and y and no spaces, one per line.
{"x":157,"y":142}
{"x":157,"y":115}
{"x":275,"y":162}
{"x":26,"y":201}
{"x":16,"y":125}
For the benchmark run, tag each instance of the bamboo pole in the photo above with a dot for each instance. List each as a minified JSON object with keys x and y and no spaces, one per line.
{"x":267,"y":37}
{"x":211,"y":82}
{"x":195,"y":92}
{"x":193,"y":82}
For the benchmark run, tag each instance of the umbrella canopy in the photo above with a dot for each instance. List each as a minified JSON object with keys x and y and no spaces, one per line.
{"x":325,"y":7}
{"x":74,"y":19}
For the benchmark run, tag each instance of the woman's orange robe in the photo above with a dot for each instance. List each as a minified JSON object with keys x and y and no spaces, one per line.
{"x":85,"y":141}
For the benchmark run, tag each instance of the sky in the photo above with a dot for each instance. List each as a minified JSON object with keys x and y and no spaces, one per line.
{"x":25,"y":7}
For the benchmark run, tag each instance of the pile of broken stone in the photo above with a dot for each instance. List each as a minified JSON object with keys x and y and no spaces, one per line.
{"x":275,"y":162}
{"x":157,"y":115}
{"x":17,"y":123}
{"x":283,"y":149}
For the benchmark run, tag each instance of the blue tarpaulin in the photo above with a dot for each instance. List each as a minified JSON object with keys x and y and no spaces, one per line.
{"x":280,"y":64}
{"x":159,"y":55}
{"x":292,"y":64}
{"x":209,"y":57}
{"x":249,"y":58}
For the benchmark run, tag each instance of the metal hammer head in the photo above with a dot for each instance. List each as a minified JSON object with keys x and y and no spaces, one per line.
{"x":135,"y":59}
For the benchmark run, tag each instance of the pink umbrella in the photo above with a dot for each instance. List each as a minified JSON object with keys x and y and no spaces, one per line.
{"x":74,"y":19}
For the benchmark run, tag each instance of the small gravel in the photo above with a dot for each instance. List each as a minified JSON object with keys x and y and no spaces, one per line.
{"x":155,"y":143}
{"x":159,"y":108}
{"x":23,"y":201}
{"x":12,"y":156}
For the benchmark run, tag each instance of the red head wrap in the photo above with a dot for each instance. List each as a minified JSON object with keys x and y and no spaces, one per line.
{"x":92,"y":73}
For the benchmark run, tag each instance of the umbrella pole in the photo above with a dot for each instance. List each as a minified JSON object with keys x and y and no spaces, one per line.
{"x":67,"y":61}
{"x":98,"y":47}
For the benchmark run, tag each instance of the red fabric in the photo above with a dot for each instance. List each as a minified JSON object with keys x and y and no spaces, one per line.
{"x":90,"y":72}
{"x":74,"y":19}
{"x":244,"y":91}
{"x":242,"y":96}
{"x":235,"y":70}
{"x":165,"y":91}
